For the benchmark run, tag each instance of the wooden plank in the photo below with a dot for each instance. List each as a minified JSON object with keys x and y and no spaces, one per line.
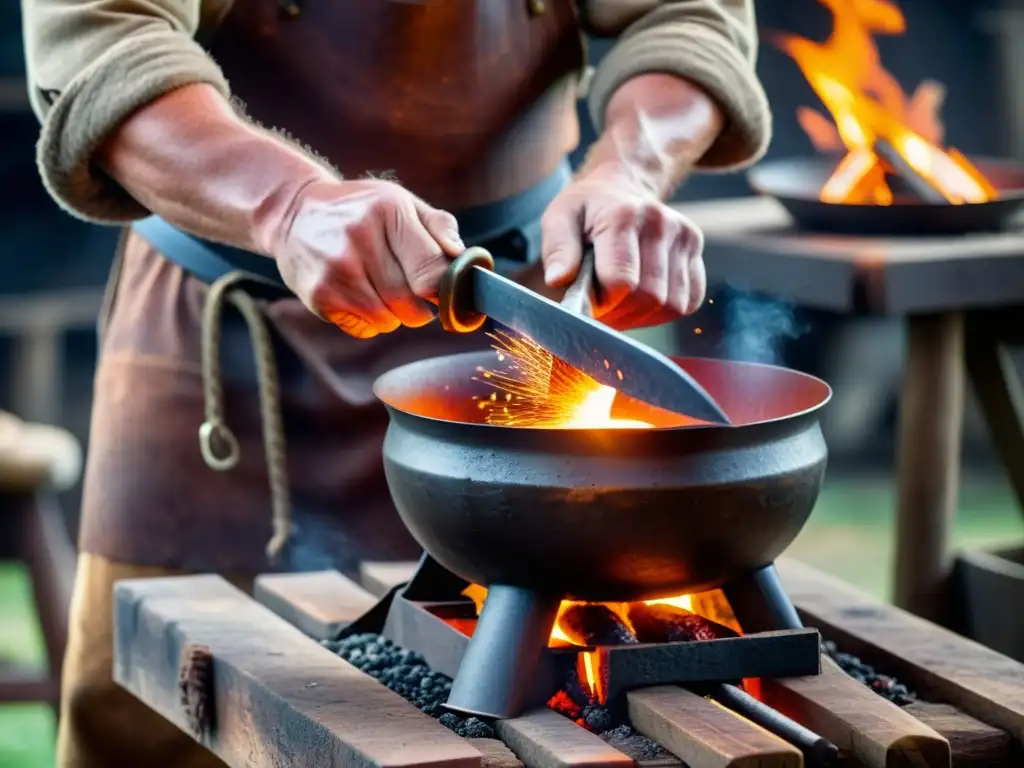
{"x":496,"y":754}
{"x":974,"y":744}
{"x":704,"y":734}
{"x":539,"y":739}
{"x":877,"y":732}
{"x":320,"y":603}
{"x":545,"y":739}
{"x":939,"y":664}
{"x":278,"y":699}
{"x":379,"y":578}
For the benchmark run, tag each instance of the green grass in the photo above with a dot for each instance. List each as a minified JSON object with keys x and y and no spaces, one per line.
{"x":26,"y":731}
{"x":849,"y":535}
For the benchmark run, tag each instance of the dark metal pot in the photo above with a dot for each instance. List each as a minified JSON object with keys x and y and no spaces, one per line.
{"x":615,"y":515}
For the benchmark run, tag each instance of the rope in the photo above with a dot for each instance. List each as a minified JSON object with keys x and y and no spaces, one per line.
{"x":214,"y":431}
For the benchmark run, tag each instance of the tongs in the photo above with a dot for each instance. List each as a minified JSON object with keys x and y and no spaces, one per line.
{"x":471,"y":291}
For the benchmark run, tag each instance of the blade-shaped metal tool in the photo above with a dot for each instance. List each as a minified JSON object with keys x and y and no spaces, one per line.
{"x":471,"y":292}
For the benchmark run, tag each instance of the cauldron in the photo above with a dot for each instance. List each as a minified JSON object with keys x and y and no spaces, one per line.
{"x":604,"y":514}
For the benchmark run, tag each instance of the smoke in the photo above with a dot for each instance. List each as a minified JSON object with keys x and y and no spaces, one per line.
{"x":757,"y":329}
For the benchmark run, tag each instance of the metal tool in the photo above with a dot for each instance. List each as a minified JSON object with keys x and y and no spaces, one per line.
{"x":471,"y":292}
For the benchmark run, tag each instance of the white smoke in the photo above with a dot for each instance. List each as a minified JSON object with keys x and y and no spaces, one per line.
{"x":757,"y":329}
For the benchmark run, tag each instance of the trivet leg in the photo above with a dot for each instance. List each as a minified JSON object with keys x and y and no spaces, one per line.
{"x":760,"y":604}
{"x":928,"y":462}
{"x":506,"y":654}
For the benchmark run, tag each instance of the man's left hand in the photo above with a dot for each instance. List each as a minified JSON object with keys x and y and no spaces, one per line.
{"x":648,"y":257}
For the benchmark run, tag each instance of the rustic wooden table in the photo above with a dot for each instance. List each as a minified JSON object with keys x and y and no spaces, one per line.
{"x":962,"y":300}
{"x":256,"y":690}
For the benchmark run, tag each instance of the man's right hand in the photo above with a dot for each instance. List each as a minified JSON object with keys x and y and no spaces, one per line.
{"x":364,"y":255}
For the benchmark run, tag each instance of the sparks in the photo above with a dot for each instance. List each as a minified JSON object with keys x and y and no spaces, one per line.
{"x":536,"y":389}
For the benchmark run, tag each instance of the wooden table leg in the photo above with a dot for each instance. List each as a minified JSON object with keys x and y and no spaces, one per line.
{"x":928,"y":462}
{"x":998,"y":387}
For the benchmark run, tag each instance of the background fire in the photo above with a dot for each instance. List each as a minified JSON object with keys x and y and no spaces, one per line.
{"x":868,"y":106}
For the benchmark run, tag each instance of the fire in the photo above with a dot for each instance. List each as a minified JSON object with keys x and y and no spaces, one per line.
{"x":539,"y":390}
{"x":868,"y":105}
{"x":712,"y":605}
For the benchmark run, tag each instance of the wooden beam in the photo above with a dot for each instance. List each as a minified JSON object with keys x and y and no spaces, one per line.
{"x":380,"y":578}
{"x":320,"y":603}
{"x":858,"y":721}
{"x":973,"y":743}
{"x":278,"y":699}
{"x":939,"y":664}
{"x":545,"y":739}
{"x":496,"y":754}
{"x":704,"y":734}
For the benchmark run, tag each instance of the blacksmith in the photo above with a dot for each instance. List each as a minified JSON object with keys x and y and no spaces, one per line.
{"x":288,"y":169}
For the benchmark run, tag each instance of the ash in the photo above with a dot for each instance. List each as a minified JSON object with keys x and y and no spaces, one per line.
{"x":883,"y":685}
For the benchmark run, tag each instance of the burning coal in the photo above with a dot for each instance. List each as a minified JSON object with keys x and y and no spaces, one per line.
{"x":869,"y":109}
{"x":684,"y":618}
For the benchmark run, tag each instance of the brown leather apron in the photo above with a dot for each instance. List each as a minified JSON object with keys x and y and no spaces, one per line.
{"x":446,"y":93}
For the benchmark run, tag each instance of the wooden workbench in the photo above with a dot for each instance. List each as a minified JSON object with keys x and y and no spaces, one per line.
{"x":962,"y":300}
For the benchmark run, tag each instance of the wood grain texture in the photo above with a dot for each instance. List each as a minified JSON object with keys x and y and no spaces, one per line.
{"x":704,"y":734}
{"x":320,"y":603}
{"x":939,"y":664}
{"x":875,"y":731}
{"x":545,"y":739}
{"x":973,"y":743}
{"x":279,"y":699}
{"x":379,"y":578}
{"x":496,"y":754}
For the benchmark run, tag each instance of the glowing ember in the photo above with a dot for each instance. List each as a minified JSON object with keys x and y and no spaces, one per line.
{"x":867,"y":104}
{"x":538,"y":390}
{"x":712,"y":605}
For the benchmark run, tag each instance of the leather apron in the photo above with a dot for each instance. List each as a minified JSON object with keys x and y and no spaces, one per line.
{"x":451,"y":96}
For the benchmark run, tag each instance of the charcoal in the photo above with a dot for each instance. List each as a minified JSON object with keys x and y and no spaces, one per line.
{"x":593,"y":624}
{"x":662,"y":623}
{"x":884,"y":685}
{"x":597,"y":718}
{"x":633,"y":744}
{"x":474,"y":728}
{"x":407,"y":674}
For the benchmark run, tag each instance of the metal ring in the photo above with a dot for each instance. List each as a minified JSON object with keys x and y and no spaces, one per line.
{"x":456,"y":309}
{"x":215,"y":430}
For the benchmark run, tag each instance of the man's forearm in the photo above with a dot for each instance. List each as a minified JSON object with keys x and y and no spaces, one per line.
{"x":657,"y":127}
{"x":190,"y":159}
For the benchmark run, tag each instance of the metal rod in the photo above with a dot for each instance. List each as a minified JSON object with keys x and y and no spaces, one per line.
{"x":818,"y":751}
{"x":918,"y":184}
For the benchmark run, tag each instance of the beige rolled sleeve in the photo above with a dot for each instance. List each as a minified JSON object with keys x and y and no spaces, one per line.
{"x":90,"y":66}
{"x":712,"y":43}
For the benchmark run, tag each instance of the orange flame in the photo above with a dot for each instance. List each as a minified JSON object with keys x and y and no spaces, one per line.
{"x":539,"y":390}
{"x":712,"y":605}
{"x":867,"y":104}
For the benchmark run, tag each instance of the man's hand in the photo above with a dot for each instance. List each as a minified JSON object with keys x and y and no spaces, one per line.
{"x":647,"y":256}
{"x":365,"y":255}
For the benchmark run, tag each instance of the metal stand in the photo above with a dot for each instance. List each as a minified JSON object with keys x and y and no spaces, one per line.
{"x":508,"y":651}
{"x":760,"y":603}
